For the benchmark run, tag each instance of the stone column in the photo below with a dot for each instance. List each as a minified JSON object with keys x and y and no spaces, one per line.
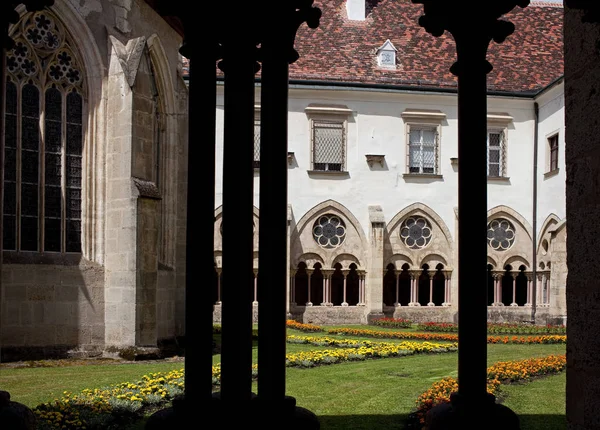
{"x":309,"y":273}
{"x":514,"y":288}
{"x":473,"y":27}
{"x":430,"y":291}
{"x":447,"y":289}
{"x":239,"y":67}
{"x":529,"y":290}
{"x":293,"y":286}
{"x":219,"y":271}
{"x":326,"y":287}
{"x":374,"y":280}
{"x":276,"y":53}
{"x":498,"y":288}
{"x":361,"y":299}
{"x":255,"y":272}
{"x":397,"y":275}
{"x":414,"y":288}
{"x":345,"y":273}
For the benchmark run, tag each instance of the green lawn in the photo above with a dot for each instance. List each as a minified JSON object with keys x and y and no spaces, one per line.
{"x":358,"y":395}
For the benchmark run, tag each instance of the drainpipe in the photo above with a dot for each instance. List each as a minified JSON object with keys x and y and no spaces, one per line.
{"x":536,"y":112}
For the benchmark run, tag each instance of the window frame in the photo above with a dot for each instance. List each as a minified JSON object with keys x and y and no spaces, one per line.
{"x":256,"y":159}
{"x":498,"y":122}
{"x":332,"y":114}
{"x":72,"y":95}
{"x":501,"y":152}
{"x":552,"y":164}
{"x":423,"y":119}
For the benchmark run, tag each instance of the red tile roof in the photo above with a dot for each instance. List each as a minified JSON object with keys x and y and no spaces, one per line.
{"x":343,"y":51}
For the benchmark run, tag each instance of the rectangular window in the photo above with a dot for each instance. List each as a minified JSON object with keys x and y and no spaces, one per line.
{"x":553,"y":147}
{"x":495,"y":153}
{"x":256,"y":161}
{"x":329,"y":143}
{"x":422,"y":149}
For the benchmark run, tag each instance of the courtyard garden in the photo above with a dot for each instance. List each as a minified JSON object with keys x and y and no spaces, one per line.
{"x":384,"y":375}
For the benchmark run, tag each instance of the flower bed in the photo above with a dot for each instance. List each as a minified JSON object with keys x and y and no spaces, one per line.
{"x":497,"y":328}
{"x":498,"y":374}
{"x":554,"y":339}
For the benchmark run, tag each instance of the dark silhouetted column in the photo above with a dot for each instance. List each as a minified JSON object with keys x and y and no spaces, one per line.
{"x":473,"y":28}
{"x":240,"y":40}
{"x":277,"y":52}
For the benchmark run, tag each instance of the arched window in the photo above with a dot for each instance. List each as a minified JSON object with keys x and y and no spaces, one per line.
{"x":43,"y":139}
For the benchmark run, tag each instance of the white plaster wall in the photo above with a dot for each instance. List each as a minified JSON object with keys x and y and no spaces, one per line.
{"x":376,"y":127}
{"x":551,"y":188}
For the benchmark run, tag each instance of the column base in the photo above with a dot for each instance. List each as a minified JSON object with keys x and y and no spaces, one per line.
{"x":430,"y":304}
{"x":459,"y":415}
{"x":446,"y":304}
{"x":497,"y":304}
{"x":414,"y":304}
{"x":514,"y":304}
{"x":15,"y":415}
{"x":262,"y":414}
{"x":344,"y":304}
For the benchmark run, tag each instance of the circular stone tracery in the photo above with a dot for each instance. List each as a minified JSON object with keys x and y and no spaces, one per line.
{"x":500,"y":234}
{"x":329,"y":231}
{"x":416,"y":232}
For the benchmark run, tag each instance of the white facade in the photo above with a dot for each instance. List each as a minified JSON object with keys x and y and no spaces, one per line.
{"x":377,"y":123}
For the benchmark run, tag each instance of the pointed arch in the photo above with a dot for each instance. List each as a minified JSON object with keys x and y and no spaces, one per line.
{"x":416,"y":207}
{"x":508,"y":212}
{"x":551,"y":221}
{"x":432,"y":260}
{"x":218,"y":227}
{"x":346,"y":260}
{"x":166,"y":149}
{"x":309,"y":259}
{"x":302,"y":241}
{"x":399,"y":260}
{"x":94,"y":130}
{"x":516,"y":261}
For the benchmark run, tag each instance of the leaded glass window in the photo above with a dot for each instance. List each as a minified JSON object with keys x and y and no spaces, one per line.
{"x":329,"y":231}
{"x":500,"y":234}
{"x":44,"y":139}
{"x":416,"y":232}
{"x":422,"y":149}
{"x":329,"y":143}
{"x":256,"y":160}
{"x":495,"y":153}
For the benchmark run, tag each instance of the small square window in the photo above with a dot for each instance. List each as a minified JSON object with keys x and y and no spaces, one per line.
{"x":329,"y":143}
{"x":496,"y":157}
{"x":422,"y":149}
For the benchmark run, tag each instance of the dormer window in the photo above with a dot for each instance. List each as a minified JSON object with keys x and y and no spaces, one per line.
{"x":386,"y":55}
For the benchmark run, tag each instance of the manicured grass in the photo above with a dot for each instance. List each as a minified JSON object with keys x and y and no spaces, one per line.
{"x":371,"y":394}
{"x":32,"y":386}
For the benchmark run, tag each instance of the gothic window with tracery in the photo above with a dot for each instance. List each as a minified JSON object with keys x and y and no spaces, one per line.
{"x":500,"y":234}
{"x":329,"y":231}
{"x":416,"y":232}
{"x":43,"y":138}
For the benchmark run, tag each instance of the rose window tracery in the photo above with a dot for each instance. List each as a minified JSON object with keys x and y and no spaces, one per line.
{"x":500,"y":234}
{"x":416,"y":232}
{"x":329,"y":231}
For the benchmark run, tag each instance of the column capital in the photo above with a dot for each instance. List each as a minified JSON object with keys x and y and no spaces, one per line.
{"x":327,"y":272}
